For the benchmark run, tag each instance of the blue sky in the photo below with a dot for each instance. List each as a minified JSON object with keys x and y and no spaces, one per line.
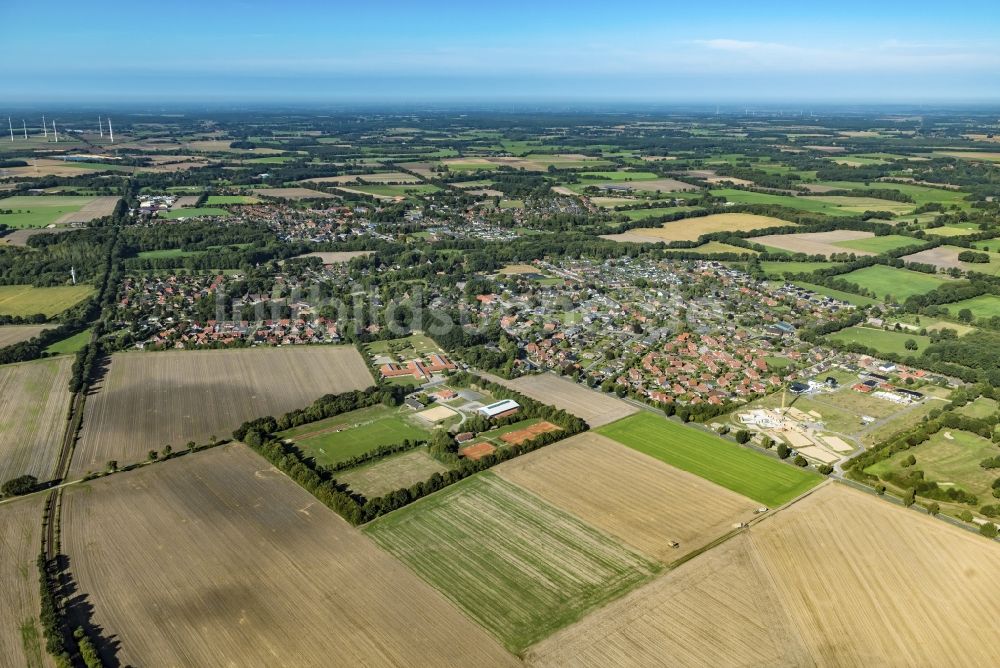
{"x":220,"y":51}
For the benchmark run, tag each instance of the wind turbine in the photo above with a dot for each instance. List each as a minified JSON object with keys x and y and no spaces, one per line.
{"x":55,"y":131}
{"x":11,"y":129}
{"x":25,"y":127}
{"x":101,"y":126}
{"x":111,"y":130}
{"x":45,"y":128}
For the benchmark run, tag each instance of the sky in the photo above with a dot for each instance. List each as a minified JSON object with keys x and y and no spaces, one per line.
{"x":514,"y":52}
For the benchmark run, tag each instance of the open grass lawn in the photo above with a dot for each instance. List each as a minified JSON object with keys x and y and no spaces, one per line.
{"x":723,"y":462}
{"x":415,"y":345}
{"x":950,"y":231}
{"x":28,"y":300}
{"x":39,"y":210}
{"x":344,"y":436}
{"x":391,"y":473}
{"x":881,"y":244}
{"x":952,"y":460}
{"x":194,"y":212}
{"x":980,"y":408}
{"x":983,"y":306}
{"x":70,"y":344}
{"x":519,"y":566}
{"x":881,"y":340}
{"x":897,"y":283}
{"x":849,"y":297}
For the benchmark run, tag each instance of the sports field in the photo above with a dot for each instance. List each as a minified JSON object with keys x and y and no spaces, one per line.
{"x":350,"y":434}
{"x":890,"y":281}
{"x":882,"y":340}
{"x":391,"y":473}
{"x":517,"y":565}
{"x":26,"y":300}
{"x":754,"y":475}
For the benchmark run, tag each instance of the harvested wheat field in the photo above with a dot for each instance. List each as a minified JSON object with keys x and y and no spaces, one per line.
{"x":689,"y":229}
{"x":856,"y":580}
{"x":815,"y":243}
{"x":718,"y":609}
{"x":218,"y":559}
{"x":33,"y":409}
{"x":594,"y":408}
{"x":11,"y":334}
{"x":21,"y":640}
{"x":294,"y":193}
{"x":20,"y":237}
{"x":641,"y":501}
{"x":946,"y":257}
{"x":100,"y":206}
{"x":148,"y":400}
{"x":516,"y":564}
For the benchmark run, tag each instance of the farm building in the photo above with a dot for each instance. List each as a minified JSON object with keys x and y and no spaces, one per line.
{"x":500,"y":409}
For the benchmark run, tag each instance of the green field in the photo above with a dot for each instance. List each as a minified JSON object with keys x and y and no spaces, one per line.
{"x":24,"y":300}
{"x":920,"y":194}
{"x":723,"y":462}
{"x":849,"y":297}
{"x":217,"y":200}
{"x":167,"y":253}
{"x":415,"y":345}
{"x":194,"y":212}
{"x":889,"y":281}
{"x":350,"y":434}
{"x":981,"y":408}
{"x":70,"y":344}
{"x":983,"y":306}
{"x":881,"y":340}
{"x":39,"y":210}
{"x":879,"y":245}
{"x":950,"y":231}
{"x":515,"y":564}
{"x":808,"y":204}
{"x":952,"y":460}
{"x":394,"y":191}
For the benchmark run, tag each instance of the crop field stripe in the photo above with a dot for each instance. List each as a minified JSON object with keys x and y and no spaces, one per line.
{"x":516,"y":564}
{"x":734,"y":467}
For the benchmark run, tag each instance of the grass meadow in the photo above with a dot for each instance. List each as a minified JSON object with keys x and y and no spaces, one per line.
{"x":734,"y":467}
